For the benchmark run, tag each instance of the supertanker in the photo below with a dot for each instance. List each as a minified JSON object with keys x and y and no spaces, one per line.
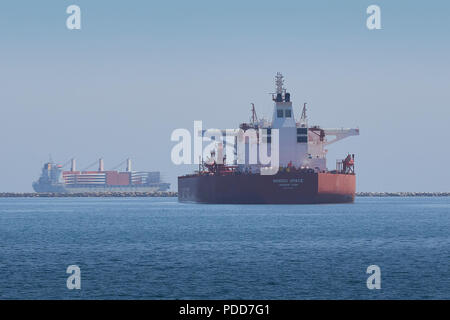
{"x":301,"y":175}
{"x":54,"y":179}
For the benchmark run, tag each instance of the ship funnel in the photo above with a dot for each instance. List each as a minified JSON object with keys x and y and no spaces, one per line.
{"x":128,"y":165}
{"x":100,"y":165}
{"x":73,"y":166}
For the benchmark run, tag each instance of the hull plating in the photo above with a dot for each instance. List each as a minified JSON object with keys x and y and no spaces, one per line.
{"x":283,"y":188}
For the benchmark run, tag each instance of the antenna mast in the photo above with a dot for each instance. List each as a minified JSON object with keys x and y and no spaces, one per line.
{"x":279,"y":82}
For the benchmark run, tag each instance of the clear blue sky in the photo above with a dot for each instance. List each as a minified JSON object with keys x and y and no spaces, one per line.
{"x":139,"y":69}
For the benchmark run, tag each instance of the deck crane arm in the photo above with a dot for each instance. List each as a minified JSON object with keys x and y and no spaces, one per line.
{"x":340,"y":134}
{"x":90,"y":166}
{"x":119,"y":165}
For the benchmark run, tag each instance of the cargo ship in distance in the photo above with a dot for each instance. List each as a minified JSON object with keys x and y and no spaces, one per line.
{"x":54,"y":179}
{"x":302,"y":178}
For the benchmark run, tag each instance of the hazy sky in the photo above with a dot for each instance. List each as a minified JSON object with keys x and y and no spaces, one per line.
{"x":137,"y":70}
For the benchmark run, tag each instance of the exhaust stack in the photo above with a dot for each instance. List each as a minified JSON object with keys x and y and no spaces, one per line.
{"x":73,"y":166}
{"x":128,"y":165}
{"x":100,"y":165}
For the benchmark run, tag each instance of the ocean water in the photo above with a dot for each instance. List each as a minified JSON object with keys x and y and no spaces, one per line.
{"x":157,"y":248}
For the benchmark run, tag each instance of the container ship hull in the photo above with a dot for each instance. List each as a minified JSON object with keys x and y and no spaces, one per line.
{"x":99,"y":189}
{"x":282,"y":188}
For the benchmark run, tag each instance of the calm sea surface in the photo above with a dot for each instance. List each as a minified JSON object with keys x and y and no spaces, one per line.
{"x":150,"y":248}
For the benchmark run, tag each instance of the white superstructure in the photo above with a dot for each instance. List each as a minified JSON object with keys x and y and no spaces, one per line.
{"x":300,"y":146}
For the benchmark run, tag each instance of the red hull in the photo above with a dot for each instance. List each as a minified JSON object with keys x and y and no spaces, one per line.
{"x":282,"y":188}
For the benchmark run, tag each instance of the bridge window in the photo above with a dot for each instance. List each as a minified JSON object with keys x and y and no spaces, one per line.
{"x":288,"y":113}
{"x":279,"y":113}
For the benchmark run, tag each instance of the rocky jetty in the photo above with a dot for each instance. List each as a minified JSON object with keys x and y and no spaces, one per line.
{"x":403,"y":194}
{"x":88,"y":194}
{"x":175,"y":194}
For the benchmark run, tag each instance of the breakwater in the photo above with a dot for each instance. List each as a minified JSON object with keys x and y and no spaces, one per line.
{"x":175,"y":194}
{"x":403,"y":194}
{"x":87,"y":194}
